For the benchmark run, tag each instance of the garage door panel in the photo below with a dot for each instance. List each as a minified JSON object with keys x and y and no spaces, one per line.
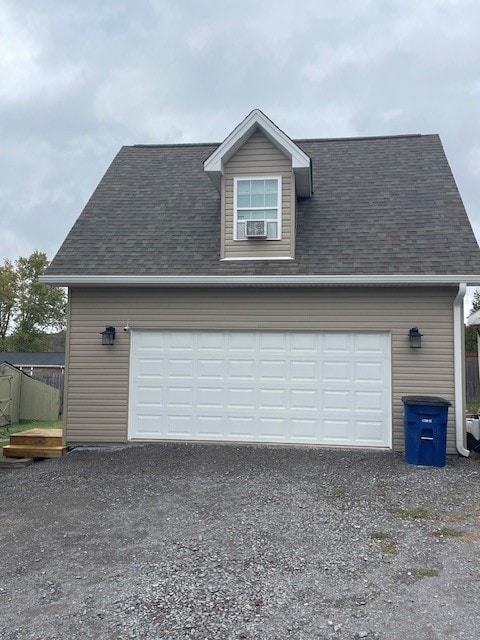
{"x":149,"y":425}
{"x":178,"y":425}
{"x":241,"y":370}
{"x":242,"y":427}
{"x":212,"y":369}
{"x":306,"y":343}
{"x":369,"y":372}
{"x":330,"y":388}
{"x":368,"y":431}
{"x":304,"y":399}
{"x":272,"y":429}
{"x":179,"y":368}
{"x":210,"y":342}
{"x":240,"y":342}
{"x":303,"y":371}
{"x":210,"y":426}
{"x":336,"y":431}
{"x":241,"y":398}
{"x":369,"y":401}
{"x":338,"y":343}
{"x":273,"y":370}
{"x":150,"y":395}
{"x":368,"y":343}
{"x":210,"y":397}
{"x":272,"y":399}
{"x":151,"y":367}
{"x":304,"y":430}
{"x":272,"y":342}
{"x":336,"y":400}
{"x":179,"y":397}
{"x":339,"y":371}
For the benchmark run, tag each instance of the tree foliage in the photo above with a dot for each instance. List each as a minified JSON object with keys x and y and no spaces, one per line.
{"x":470,"y":340}
{"x":475,"y":302}
{"x":8,"y":282}
{"x":29,"y":308}
{"x":471,"y":343}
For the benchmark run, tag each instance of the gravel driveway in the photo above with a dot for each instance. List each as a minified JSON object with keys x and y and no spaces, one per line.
{"x":205,"y":541}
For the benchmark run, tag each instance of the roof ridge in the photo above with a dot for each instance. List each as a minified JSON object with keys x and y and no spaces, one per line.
{"x":173,"y":144}
{"x":349,"y":138}
{"x":295,"y":140}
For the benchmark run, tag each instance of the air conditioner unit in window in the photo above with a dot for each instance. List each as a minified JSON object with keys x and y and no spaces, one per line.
{"x":256,"y":228}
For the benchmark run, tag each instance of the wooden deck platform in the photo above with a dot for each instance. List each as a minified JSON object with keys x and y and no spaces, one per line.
{"x":36,"y":443}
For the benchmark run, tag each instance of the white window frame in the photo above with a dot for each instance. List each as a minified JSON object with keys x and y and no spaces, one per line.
{"x":279,"y":205}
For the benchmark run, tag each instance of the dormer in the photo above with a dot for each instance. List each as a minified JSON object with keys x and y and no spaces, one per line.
{"x":259,"y":173}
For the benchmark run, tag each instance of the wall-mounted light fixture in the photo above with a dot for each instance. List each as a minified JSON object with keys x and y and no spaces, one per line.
{"x":415,"y":338}
{"x":108,"y":335}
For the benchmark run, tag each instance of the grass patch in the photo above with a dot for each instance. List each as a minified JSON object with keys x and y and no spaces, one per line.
{"x":387,"y":543}
{"x":380,"y":535}
{"x":414,"y":513}
{"x":453,"y":499}
{"x":426,"y":572}
{"x":448,"y":532}
{"x":473,"y":407}
{"x":456,"y":517}
{"x":339,"y":491}
{"x":26,"y":425}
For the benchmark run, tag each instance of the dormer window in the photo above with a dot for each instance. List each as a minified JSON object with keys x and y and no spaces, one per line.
{"x":259,"y":173}
{"x":257,"y":199}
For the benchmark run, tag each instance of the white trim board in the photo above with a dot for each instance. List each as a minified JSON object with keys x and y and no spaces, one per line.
{"x":308,"y":280}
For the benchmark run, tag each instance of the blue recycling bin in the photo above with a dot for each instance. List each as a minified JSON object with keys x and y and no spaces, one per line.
{"x":425,"y":421}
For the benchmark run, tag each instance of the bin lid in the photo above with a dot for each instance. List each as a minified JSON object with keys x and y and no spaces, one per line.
{"x":426,"y":400}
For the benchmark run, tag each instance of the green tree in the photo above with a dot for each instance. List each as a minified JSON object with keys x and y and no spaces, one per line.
{"x":475,"y":302}
{"x":8,"y":281}
{"x":37,"y":308}
{"x":471,"y":344}
{"x":470,"y":339}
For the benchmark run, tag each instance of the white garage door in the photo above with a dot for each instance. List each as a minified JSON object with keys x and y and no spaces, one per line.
{"x":256,"y":386}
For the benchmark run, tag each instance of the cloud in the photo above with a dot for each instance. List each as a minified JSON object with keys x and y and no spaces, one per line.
{"x":24,"y":76}
{"x":79,"y":79}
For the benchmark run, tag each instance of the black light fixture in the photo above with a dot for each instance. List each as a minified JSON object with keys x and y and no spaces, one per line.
{"x":108,"y":335}
{"x":415,"y":338}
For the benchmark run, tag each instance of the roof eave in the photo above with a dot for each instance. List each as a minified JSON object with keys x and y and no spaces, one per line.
{"x":271,"y":280}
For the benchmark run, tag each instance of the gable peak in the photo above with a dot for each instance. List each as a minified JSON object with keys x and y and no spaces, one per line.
{"x":257,"y":120}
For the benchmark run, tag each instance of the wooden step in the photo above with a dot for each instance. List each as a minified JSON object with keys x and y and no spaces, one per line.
{"x":15,"y":463}
{"x":28,"y":451}
{"x":38,"y":438}
{"x":36,"y":443}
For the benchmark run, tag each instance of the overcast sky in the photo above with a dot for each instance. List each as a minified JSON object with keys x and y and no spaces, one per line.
{"x":80,"y":78}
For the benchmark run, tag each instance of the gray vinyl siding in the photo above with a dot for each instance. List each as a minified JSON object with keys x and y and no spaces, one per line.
{"x":259,"y":157}
{"x":96,"y":401}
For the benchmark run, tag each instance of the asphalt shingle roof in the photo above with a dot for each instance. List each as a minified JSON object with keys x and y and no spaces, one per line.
{"x":33,"y":358}
{"x":385,"y":205}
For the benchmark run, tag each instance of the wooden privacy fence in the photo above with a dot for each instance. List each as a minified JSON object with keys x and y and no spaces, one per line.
{"x":472,"y":380}
{"x":54,"y":380}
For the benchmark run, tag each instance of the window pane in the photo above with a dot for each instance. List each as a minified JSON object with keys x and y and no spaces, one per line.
{"x":241,"y":230}
{"x":258,"y":186}
{"x":271,"y":186}
{"x":243,"y":186}
{"x":271,"y":200}
{"x":244,"y":215}
{"x":271,"y":230}
{"x":258,"y":200}
{"x":271,"y":215}
{"x":243,"y":200}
